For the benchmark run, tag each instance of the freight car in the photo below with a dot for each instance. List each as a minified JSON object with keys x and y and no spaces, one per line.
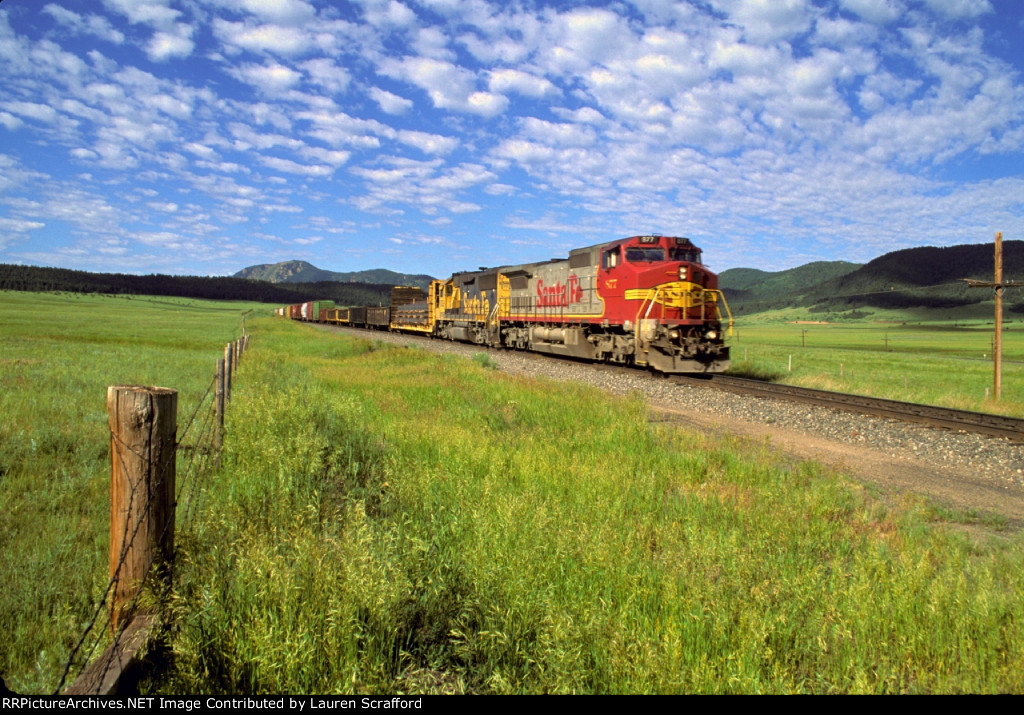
{"x":643,"y":300}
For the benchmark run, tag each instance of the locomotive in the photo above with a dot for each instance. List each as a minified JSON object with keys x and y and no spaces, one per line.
{"x":643,"y":300}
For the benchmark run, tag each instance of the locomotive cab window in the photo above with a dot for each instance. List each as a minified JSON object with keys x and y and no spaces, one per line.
{"x":690,"y":255}
{"x":611,"y":258}
{"x":645,"y":254}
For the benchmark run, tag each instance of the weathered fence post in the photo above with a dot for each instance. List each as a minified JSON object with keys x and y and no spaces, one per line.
{"x":218,"y":434}
{"x":228,"y":369}
{"x":143,"y":429}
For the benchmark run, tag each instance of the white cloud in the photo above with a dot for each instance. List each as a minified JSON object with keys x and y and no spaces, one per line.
{"x":768,"y":21}
{"x":525,"y":152}
{"x":484,"y":103}
{"x":447,"y":85}
{"x":387,"y":13}
{"x":879,"y":12}
{"x":497,"y":189}
{"x":148,"y":12}
{"x":428,"y":143}
{"x":390,"y":103}
{"x":247,"y":138}
{"x":288,"y":166}
{"x":9,"y":121}
{"x":18,"y":225}
{"x":270,"y":78}
{"x":284,"y":12}
{"x":495,"y":49}
{"x":85,"y":24}
{"x":590,"y":34}
{"x":177,"y":42}
{"x":331,"y":157}
{"x":326,"y":73}
{"x":341,"y":129}
{"x":959,"y":8}
{"x":512,"y":80}
{"x":558,"y":134}
{"x":432,"y":42}
{"x":425,"y":185}
{"x":33,"y":110}
{"x":279,"y":39}
{"x":743,"y":59}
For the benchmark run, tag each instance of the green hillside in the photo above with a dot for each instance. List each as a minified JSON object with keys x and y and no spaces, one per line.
{"x":925,"y":277}
{"x":750,"y":285}
{"x":303,"y":272}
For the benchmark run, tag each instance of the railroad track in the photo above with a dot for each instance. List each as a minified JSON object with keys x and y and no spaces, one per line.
{"x":947,"y":418}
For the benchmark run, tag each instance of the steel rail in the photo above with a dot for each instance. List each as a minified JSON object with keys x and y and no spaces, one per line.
{"x":945,"y":417}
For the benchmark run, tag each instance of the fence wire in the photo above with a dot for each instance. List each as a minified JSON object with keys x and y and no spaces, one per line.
{"x":197,"y":439}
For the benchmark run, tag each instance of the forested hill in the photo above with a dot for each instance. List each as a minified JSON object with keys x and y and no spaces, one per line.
{"x":33,"y":278}
{"x":911,"y":277}
{"x":925,"y":276}
{"x":750,"y":285}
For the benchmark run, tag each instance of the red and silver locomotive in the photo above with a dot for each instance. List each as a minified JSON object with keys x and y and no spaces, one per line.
{"x":645,"y":300}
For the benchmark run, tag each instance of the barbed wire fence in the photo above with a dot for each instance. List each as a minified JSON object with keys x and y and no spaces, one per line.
{"x":157,"y":475}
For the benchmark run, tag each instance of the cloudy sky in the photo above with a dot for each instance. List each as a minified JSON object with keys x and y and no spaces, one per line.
{"x":203,"y":136}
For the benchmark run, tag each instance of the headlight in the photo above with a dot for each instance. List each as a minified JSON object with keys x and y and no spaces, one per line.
{"x":682,"y":273}
{"x":711,"y":335}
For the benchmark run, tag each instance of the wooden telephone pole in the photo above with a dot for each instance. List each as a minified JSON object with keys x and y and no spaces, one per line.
{"x":997,"y":287}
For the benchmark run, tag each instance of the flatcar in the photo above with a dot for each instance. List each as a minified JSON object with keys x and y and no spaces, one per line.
{"x":643,"y":300}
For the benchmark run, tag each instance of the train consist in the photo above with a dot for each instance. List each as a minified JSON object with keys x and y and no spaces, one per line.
{"x":644,"y":300}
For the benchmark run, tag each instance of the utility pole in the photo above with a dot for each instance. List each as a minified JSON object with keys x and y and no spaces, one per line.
{"x":997,"y":288}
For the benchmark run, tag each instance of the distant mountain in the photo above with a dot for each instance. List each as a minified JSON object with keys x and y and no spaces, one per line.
{"x":303,"y":272}
{"x":912,"y":277}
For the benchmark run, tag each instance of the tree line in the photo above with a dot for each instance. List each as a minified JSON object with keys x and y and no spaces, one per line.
{"x":39,"y":279}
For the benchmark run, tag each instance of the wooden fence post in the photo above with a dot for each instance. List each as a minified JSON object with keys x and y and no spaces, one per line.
{"x":218,"y":435}
{"x":228,"y":369}
{"x":143,"y":430}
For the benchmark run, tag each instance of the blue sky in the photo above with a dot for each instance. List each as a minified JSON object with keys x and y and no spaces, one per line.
{"x":203,"y":136}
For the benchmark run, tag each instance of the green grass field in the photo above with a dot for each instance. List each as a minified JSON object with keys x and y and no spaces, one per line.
{"x":59,"y":354}
{"x":390,"y":520}
{"x":909,"y":356}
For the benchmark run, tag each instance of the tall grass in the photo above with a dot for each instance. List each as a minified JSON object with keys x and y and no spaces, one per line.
{"x":60,"y":352}
{"x":389,"y":520}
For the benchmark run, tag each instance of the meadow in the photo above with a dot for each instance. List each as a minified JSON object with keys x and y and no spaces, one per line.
{"x":393,"y":520}
{"x":58,"y":354}
{"x":914,"y":356}
{"x":390,"y":520}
